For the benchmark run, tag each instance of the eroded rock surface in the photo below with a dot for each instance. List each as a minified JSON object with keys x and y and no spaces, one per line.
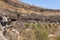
{"x":28,"y":22}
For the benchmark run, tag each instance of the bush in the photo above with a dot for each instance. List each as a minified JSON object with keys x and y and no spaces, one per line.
{"x":40,"y":31}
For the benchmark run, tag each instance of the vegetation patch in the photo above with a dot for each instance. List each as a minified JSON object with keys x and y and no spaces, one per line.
{"x":40,"y":31}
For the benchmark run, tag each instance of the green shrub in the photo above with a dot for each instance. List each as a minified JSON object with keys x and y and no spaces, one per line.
{"x":41,"y":32}
{"x":41,"y":35}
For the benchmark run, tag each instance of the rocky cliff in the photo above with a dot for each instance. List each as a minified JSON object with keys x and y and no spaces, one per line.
{"x":27,"y":22}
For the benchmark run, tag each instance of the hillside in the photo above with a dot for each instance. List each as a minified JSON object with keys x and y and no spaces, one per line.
{"x":28,"y":22}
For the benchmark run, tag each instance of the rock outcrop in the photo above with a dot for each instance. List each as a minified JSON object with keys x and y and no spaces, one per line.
{"x":27,"y":22}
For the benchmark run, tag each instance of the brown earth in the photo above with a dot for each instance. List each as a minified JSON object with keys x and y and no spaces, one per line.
{"x":28,"y":22}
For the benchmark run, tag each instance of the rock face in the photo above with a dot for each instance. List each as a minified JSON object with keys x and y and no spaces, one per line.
{"x":28,"y":22}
